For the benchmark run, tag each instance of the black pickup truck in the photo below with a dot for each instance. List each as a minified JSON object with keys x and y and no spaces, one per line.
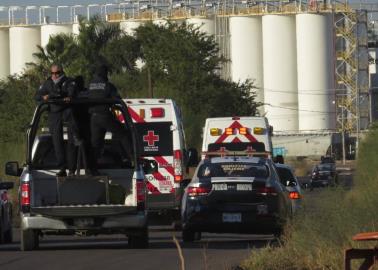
{"x":112,"y":202}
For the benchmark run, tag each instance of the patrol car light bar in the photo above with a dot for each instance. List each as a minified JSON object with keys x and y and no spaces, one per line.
{"x":250,"y":153}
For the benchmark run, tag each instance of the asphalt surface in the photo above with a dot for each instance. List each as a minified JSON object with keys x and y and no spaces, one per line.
{"x":214,"y":251}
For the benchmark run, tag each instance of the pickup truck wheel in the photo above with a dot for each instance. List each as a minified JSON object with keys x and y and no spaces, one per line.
{"x":8,"y":237}
{"x":139,"y":240}
{"x":29,"y":240}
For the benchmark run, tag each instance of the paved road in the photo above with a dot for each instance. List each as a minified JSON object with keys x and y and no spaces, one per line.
{"x":214,"y":251}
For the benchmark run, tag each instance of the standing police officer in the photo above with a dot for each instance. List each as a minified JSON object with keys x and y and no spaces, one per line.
{"x":58,"y":87}
{"x":102,"y":119}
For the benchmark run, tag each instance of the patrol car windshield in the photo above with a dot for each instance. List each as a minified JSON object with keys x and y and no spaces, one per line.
{"x":233,"y":169}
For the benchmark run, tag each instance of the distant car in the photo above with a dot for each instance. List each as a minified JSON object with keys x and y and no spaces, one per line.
{"x":324,"y":175}
{"x":289,"y":180}
{"x":234,"y":195}
{"x":5,"y":213}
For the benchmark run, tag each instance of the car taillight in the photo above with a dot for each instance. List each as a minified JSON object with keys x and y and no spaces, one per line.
{"x":157,"y":112}
{"x":266,"y":191}
{"x":140,"y":194}
{"x":294,"y":195}
{"x":177,"y":166}
{"x":25,"y":194}
{"x":198,"y":191}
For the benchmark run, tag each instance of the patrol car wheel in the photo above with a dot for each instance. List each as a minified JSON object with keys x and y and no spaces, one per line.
{"x":139,"y":240}
{"x":29,"y":240}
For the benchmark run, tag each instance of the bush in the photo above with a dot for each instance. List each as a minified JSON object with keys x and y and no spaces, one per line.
{"x":318,"y":236}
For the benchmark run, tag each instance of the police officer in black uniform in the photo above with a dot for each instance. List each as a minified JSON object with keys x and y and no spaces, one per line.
{"x":102,"y":119}
{"x":58,"y":86}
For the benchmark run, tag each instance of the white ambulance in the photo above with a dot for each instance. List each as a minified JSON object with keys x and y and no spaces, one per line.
{"x":159,"y":126}
{"x":246,"y":133}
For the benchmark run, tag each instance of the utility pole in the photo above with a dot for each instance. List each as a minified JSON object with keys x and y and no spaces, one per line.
{"x":343,"y":133}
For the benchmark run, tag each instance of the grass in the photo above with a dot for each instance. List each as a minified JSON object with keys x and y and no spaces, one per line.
{"x":317,"y":237}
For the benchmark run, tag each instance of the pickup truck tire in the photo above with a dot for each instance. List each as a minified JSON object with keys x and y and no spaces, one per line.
{"x":139,"y":240}
{"x":29,"y":240}
{"x":8,"y":237}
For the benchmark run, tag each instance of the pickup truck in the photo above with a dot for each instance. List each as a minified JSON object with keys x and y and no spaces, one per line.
{"x":110,"y":203}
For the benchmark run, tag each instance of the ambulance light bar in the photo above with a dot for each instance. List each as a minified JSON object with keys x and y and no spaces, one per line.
{"x":229,"y":131}
{"x":157,"y":112}
{"x":258,"y":130}
{"x":215,"y":131}
{"x":142,"y":113}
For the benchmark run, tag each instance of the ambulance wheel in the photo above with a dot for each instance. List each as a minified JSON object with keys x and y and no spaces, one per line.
{"x":190,"y":236}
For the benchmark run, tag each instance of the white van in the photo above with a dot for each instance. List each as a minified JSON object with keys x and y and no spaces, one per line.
{"x":161,"y":134}
{"x":237,"y":134}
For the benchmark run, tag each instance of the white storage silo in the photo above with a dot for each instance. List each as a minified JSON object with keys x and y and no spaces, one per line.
{"x":246,"y":52}
{"x":76,"y":28}
{"x":23,"y":41}
{"x":130,"y":26}
{"x":49,"y":30}
{"x":315,"y":57}
{"x":205,"y":25}
{"x":160,"y":22}
{"x":280,"y":71}
{"x":4,"y":53}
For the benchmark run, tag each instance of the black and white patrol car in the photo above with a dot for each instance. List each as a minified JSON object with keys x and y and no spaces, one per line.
{"x":235,"y":195}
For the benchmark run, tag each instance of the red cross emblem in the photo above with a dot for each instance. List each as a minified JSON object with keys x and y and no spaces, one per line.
{"x":151,"y":138}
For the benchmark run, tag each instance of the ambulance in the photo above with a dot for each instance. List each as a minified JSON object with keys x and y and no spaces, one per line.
{"x":246,"y":133}
{"x":161,"y":135}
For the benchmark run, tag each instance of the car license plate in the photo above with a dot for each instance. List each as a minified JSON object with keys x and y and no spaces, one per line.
{"x":231,"y":217}
{"x":244,"y":187}
{"x":325,"y":182}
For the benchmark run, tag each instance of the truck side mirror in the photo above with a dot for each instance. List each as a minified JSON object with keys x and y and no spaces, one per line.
{"x":6,"y":185}
{"x":149,"y":166}
{"x":192,"y":157}
{"x":12,"y":168}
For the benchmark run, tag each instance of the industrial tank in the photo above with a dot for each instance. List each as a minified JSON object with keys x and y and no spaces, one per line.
{"x":23,"y":41}
{"x":129,"y":26}
{"x":280,"y":71}
{"x":205,"y":25}
{"x":246,"y":52}
{"x":315,"y":58}
{"x":4,"y":53}
{"x":49,"y":30}
{"x":75,"y":28}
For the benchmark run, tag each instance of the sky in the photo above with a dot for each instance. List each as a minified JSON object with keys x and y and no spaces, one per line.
{"x":52,"y":12}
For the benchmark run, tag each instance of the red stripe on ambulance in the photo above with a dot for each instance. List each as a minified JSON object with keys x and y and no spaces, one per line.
{"x":163,"y":163}
{"x":135,"y":116}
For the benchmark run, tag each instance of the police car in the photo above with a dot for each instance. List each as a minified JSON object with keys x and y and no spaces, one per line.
{"x":235,"y":194}
{"x":161,"y":134}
